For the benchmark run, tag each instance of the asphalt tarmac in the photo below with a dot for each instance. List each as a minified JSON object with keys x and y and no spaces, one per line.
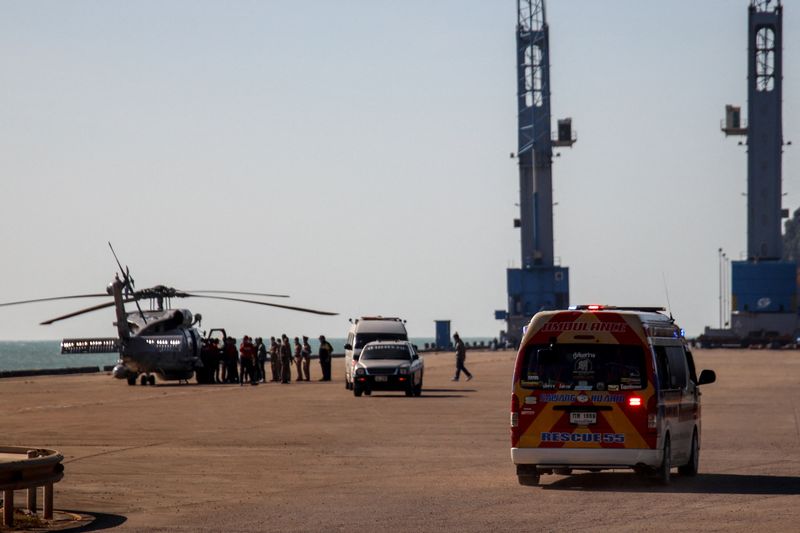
{"x":312,"y":457}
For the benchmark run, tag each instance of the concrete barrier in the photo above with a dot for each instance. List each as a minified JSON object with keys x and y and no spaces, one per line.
{"x":28,"y":468}
{"x":49,"y":372}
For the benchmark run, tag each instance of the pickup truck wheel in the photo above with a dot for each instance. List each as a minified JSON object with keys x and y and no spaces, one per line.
{"x":357,"y":391}
{"x":418,"y":389}
{"x":690,"y":468}
{"x":666,"y":464}
{"x":132,"y":379}
{"x":409,"y":390}
{"x":529,"y":480}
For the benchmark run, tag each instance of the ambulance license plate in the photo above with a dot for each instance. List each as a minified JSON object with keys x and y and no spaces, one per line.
{"x":381,"y":378}
{"x":583,"y":419}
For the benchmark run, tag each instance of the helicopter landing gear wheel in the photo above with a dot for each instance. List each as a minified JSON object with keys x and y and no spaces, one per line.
{"x":143,"y":380}
{"x":132,"y":379}
{"x":151,"y":380}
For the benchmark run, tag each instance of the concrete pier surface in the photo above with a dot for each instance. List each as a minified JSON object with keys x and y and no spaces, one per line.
{"x":311,"y":457}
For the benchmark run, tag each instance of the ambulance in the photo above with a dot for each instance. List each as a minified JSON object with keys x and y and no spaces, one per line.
{"x":598,"y":387}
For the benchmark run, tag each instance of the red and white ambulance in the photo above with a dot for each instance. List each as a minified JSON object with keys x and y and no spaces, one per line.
{"x":598,"y":387}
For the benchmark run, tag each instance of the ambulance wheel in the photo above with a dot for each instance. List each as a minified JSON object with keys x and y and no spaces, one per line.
{"x":529,"y":480}
{"x":690,"y":468}
{"x":666,"y":464}
{"x":151,"y":379}
{"x":143,"y":380}
{"x":357,"y":391}
{"x":132,"y":379}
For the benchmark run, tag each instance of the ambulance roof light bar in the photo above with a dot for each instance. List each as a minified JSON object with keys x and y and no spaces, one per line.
{"x":597,"y":307}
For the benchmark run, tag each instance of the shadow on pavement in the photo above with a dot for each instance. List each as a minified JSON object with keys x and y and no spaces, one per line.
{"x":700,"y":484}
{"x":448,"y":390}
{"x":101,"y":521}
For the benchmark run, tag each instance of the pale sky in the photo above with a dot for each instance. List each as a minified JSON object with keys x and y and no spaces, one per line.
{"x":354,"y":154}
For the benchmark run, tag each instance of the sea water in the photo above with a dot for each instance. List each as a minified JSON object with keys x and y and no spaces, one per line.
{"x":35,"y":355}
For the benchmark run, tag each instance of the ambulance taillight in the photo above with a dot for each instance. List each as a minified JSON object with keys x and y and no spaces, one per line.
{"x":514,"y":420}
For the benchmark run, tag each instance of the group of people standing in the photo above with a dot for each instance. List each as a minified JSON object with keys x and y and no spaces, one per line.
{"x":248,"y":364}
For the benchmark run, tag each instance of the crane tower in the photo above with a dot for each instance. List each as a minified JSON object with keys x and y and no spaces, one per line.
{"x":764,"y":287}
{"x":540,"y":283}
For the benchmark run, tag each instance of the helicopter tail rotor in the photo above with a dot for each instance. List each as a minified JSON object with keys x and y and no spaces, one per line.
{"x":127,"y":281}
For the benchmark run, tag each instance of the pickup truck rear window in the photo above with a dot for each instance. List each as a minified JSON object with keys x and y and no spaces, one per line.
{"x":598,"y":367}
{"x":386,"y":351}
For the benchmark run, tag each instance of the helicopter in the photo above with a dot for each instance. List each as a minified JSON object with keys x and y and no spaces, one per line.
{"x":160,"y":341}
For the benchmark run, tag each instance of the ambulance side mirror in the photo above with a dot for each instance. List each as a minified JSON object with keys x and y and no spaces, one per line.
{"x":706,"y":377}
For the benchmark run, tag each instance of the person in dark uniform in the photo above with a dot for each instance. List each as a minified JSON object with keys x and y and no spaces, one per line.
{"x":261,"y":353}
{"x":298,"y":359}
{"x":461,"y":355}
{"x":325,"y":351}
{"x":306,"y":355}
{"x":286,"y":359}
{"x":231,"y":355}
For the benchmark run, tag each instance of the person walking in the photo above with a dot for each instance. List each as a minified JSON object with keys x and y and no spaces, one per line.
{"x":261,"y":352}
{"x":306,"y":355}
{"x":286,"y":360}
{"x":461,"y":355}
{"x":325,"y":351}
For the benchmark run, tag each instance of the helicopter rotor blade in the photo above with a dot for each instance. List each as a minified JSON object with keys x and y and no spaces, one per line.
{"x":293,"y":308}
{"x":244,"y":293}
{"x":99,"y":295}
{"x":81,"y":312}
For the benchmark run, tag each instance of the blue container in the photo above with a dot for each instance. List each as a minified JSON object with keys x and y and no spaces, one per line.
{"x":442,"y":334}
{"x":537,"y":288}
{"x":764,"y":286}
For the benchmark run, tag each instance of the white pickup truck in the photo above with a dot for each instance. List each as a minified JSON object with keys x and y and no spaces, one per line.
{"x":388,"y":365}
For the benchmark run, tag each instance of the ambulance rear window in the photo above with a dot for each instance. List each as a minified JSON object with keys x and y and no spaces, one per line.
{"x":599,"y":367}
{"x":363,"y":339}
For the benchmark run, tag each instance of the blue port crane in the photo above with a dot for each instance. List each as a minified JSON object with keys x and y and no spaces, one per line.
{"x":539,"y":283}
{"x":764,"y":286}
